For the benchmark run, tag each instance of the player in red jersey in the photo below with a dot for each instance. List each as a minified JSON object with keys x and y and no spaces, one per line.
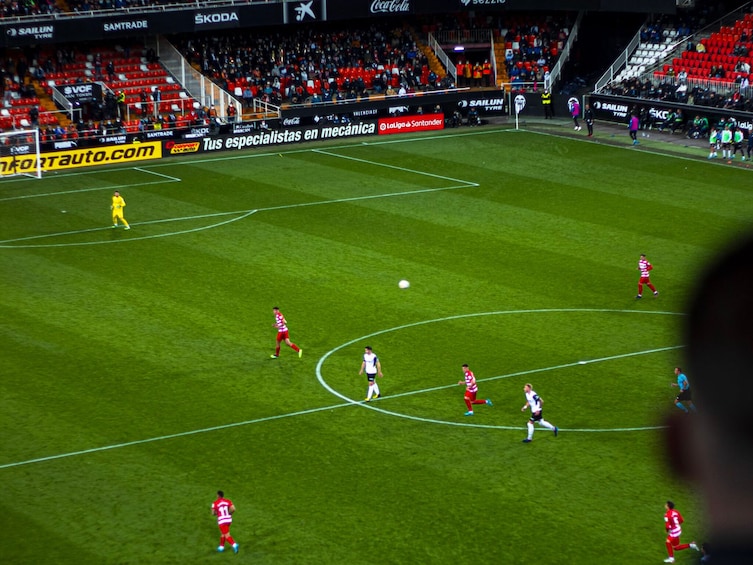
{"x":673,"y":523}
{"x":224,"y":508}
{"x":645,"y":267}
{"x":471,"y":389}
{"x":282,"y":334}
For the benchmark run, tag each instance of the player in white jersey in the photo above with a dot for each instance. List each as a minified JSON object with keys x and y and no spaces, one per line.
{"x":372,"y":367}
{"x":535,"y":402}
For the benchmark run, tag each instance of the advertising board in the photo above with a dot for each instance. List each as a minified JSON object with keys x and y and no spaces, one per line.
{"x":76,"y":158}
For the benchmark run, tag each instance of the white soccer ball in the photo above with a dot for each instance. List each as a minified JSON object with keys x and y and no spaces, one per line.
{"x":403,"y":284}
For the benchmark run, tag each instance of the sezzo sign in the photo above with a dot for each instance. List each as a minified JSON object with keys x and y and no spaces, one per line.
{"x":483,"y":2}
{"x":390,"y":7}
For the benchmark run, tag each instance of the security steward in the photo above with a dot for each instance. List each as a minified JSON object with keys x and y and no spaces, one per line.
{"x":546,"y":102}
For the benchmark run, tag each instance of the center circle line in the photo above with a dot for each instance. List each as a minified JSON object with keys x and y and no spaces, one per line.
{"x":370,"y":406}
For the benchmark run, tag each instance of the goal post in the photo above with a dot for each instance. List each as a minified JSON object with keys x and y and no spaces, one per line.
{"x":19,"y":154}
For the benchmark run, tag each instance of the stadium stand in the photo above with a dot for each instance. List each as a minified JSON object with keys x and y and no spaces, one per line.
{"x":327,"y":63}
{"x":709,"y":68}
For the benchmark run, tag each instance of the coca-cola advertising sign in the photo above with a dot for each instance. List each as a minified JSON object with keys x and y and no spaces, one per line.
{"x":354,"y":9}
{"x":390,"y":7}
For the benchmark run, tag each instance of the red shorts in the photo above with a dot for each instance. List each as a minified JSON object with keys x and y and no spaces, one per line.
{"x":644,"y":280}
{"x":282,"y":336}
{"x":674,"y":542}
{"x":224,"y":528}
{"x":471,"y":395}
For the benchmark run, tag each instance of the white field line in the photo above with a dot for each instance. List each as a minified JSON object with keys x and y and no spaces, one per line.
{"x":351,"y":402}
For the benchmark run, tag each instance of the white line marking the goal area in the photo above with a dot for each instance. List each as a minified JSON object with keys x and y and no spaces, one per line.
{"x":15,"y":242}
{"x":162,"y":180}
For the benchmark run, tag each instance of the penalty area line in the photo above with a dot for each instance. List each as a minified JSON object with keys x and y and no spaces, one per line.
{"x":243,"y":213}
{"x":155,"y":173}
{"x":96,"y":188}
{"x":388,"y":166}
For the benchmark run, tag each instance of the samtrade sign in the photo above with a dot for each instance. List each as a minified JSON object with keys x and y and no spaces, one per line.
{"x":76,"y":158}
{"x":129,"y":25}
{"x":408,"y":124}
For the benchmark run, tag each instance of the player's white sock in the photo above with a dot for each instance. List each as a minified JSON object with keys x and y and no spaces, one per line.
{"x":371,"y":391}
{"x":530,"y":430}
{"x":376,"y":388}
{"x":546,"y":424}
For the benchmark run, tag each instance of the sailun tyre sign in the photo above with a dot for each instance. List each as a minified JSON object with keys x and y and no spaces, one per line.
{"x":36,"y":33}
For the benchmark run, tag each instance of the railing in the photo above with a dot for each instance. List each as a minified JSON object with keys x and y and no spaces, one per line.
{"x":619,"y":63}
{"x":261,"y":107}
{"x":556,"y":70}
{"x":443,"y":57}
{"x":168,"y":7}
{"x":462,"y":36}
{"x":676,"y":48}
{"x":493,"y":58}
{"x":199,"y":87}
{"x":724,"y":88}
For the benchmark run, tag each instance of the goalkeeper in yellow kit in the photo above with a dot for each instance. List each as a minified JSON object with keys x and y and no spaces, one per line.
{"x":117,"y":210}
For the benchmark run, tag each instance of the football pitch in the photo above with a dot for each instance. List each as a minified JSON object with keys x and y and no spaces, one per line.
{"x":137,"y":378}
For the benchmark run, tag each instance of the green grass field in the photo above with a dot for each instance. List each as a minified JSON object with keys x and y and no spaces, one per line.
{"x":137,"y":377}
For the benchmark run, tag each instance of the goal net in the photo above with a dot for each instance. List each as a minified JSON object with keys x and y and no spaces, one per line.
{"x":19,"y":154}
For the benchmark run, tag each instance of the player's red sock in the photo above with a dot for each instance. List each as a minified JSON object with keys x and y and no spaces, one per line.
{"x":277,"y":350}
{"x":670,"y":549}
{"x":479,"y":401}
{"x":222,"y":541}
{"x":230,"y":540}
{"x":682,"y":546}
{"x":640,"y":288}
{"x":652,"y":287}
{"x":468,"y":404}
{"x":295,"y":347}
